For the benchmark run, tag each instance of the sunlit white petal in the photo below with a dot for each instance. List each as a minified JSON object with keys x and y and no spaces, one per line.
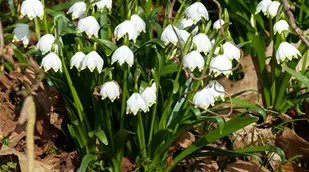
{"x":194,"y":60}
{"x":78,"y":10}
{"x":169,"y":35}
{"x":286,"y":51}
{"x":221,"y":64}
{"x":46,"y":42}
{"x":91,"y":61}
{"x":76,"y":60}
{"x":111,"y":90}
{"x":51,"y":60}
{"x":136,"y":103}
{"x":32,"y":8}
{"x":203,"y":99}
{"x":202,"y":43}
{"x":122,"y":55}
{"x":149,"y":95}
{"x":22,"y":33}
{"x":126,"y":27}
{"x":281,"y":26}
{"x":196,"y":12}
{"x":262,"y":6}
{"x":89,"y":25}
{"x":216,"y":89}
{"x":272,"y":9}
{"x":139,"y":23}
{"x":217,"y":25}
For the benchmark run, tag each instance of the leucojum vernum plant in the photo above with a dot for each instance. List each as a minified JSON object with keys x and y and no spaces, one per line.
{"x":133,"y":84}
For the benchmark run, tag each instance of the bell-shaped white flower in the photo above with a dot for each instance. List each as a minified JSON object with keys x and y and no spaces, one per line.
{"x":104,"y":3}
{"x":139,"y":23}
{"x":216,"y":89}
{"x":185,"y":23}
{"x":135,"y":103}
{"x":89,"y":25}
{"x":126,"y":27}
{"x":203,"y":99}
{"x":53,"y":61}
{"x":78,"y":10}
{"x":169,"y":35}
{"x":32,"y":8}
{"x":91,"y":61}
{"x":272,"y":9}
{"x":221,"y":64}
{"x":202,"y":43}
{"x":196,"y":12}
{"x":286,"y":51}
{"x":194,"y":60}
{"x":281,"y":26}
{"x":111,"y":90}
{"x":76,"y":60}
{"x":217,"y":24}
{"x":262,"y":6}
{"x":149,"y":95}
{"x":22,"y":33}
{"x":231,"y":51}
{"x":46,"y":42}
{"x":122,"y":55}
{"x":184,"y":35}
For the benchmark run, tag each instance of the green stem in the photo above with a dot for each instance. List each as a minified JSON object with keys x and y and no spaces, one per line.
{"x":123,"y":98}
{"x":301,"y":11}
{"x":148,"y":7}
{"x":153,"y":118}
{"x":183,"y":3}
{"x":45,"y":18}
{"x":104,"y":24}
{"x":37,"y":28}
{"x":78,"y":104}
{"x":141,"y":135}
{"x":109,"y":126}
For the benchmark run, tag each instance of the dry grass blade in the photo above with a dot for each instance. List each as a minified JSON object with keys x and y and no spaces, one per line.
{"x":28,"y":113}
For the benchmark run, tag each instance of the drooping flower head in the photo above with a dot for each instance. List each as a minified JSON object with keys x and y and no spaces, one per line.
{"x":281,"y":26}
{"x":111,"y":90}
{"x":89,"y":25}
{"x":126,"y":27}
{"x":122,"y":55}
{"x":202,"y":43}
{"x":103,"y":3}
{"x":139,"y":23}
{"x":53,"y":61}
{"x":136,"y":103}
{"x":217,"y":24}
{"x":185,"y":23}
{"x":149,"y":95}
{"x":194,"y":60}
{"x":203,"y":99}
{"x":286,"y":51}
{"x":272,"y":9}
{"x":78,"y":10}
{"x":231,"y":51}
{"x":196,"y":12}
{"x":32,"y":8}
{"x":216,"y":89}
{"x":76,"y":60}
{"x":91,"y":61}
{"x":46,"y":42}
{"x":169,"y":35}
{"x":22,"y":33}
{"x":221,"y":64}
{"x":262,"y":6}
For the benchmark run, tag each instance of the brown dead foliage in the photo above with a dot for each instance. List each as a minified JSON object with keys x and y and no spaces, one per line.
{"x":245,"y":166}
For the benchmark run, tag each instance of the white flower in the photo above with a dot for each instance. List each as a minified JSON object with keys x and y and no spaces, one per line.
{"x":217,"y":24}
{"x":89,"y":25}
{"x":169,"y":35}
{"x":135,"y":103}
{"x":231,"y":51}
{"x":272,"y":9}
{"x":281,"y":26}
{"x":22,"y":33}
{"x":92,"y":60}
{"x":78,"y":10}
{"x":196,"y":12}
{"x":51,"y":60}
{"x":286,"y":50}
{"x":184,"y":35}
{"x":262,"y":6}
{"x":139,"y":23}
{"x":45,"y":43}
{"x":192,"y":60}
{"x":221,"y":64}
{"x":202,"y":43}
{"x":32,"y":8}
{"x":123,"y":54}
{"x":126,"y":27}
{"x":104,"y":3}
{"x":216,"y":89}
{"x":184,"y":23}
{"x":203,"y":99}
{"x":76,"y":60}
{"x":149,"y":95}
{"x":111,"y":90}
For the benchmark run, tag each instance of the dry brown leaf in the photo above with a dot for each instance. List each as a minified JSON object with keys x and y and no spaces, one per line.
{"x":127,"y":165}
{"x":292,"y":167}
{"x":185,"y":140}
{"x":245,"y":166}
{"x":251,"y":80}
{"x":7,"y":118}
{"x":23,"y":162}
{"x":292,"y":144}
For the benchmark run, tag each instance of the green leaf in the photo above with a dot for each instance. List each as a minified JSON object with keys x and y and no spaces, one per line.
{"x":85,"y":162}
{"x":19,"y":55}
{"x":109,"y":45}
{"x":121,"y":137}
{"x":304,"y":80}
{"x":168,"y":69}
{"x":241,"y":102}
{"x":154,"y":41}
{"x":101,"y":136}
{"x":159,"y":138}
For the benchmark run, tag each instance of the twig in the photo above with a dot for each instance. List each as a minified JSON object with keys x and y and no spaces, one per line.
{"x":220,"y":16}
{"x":298,"y":31}
{"x":170,"y":14}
